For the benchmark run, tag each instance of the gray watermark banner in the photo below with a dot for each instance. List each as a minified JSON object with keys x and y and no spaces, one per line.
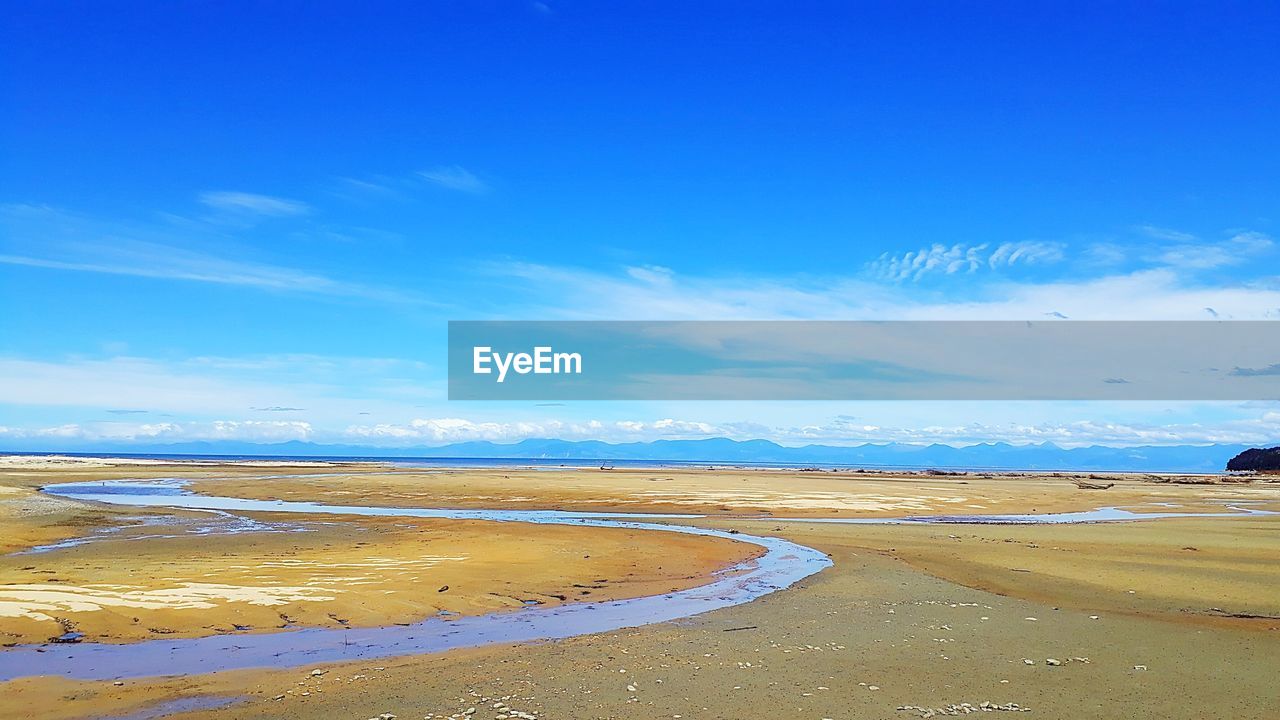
{"x":857,"y":360}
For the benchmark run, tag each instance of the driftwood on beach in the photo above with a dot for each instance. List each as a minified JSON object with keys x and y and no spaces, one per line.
{"x":1086,"y":485}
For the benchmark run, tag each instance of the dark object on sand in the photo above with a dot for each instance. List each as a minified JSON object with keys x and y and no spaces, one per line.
{"x":1086,"y":485}
{"x":443,"y":588}
{"x":1257,"y":459}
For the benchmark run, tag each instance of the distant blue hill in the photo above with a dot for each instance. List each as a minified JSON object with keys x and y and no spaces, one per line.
{"x":1045,"y":456}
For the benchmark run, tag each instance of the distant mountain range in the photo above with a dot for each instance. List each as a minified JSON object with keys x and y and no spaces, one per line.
{"x":1045,"y":456}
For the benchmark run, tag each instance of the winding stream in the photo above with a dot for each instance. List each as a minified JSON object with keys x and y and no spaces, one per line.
{"x":783,"y":564}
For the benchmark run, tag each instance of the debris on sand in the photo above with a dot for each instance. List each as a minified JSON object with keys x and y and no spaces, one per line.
{"x":963,"y":709}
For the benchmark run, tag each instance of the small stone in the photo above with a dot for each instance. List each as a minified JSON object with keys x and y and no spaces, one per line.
{"x":1052,"y":662}
{"x":317,"y":672}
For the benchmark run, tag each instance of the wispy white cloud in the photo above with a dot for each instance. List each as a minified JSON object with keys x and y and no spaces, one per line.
{"x":838,"y":431}
{"x":453,"y":429}
{"x":405,"y":187}
{"x":644,"y":293}
{"x":366,"y":190}
{"x":253,"y":203}
{"x":547,"y":292}
{"x":329,"y":387}
{"x":454,"y":177}
{"x":939,"y":259}
{"x":58,"y":240}
{"x":1159,"y":294}
{"x":1160,"y":233}
{"x":243,"y":430}
{"x":1239,"y":248}
{"x":651,"y":274}
{"x":1150,"y":247}
{"x":162,"y":262}
{"x":1270,"y":370}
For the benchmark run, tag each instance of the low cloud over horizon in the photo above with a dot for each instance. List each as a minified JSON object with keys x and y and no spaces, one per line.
{"x":1259,"y":427}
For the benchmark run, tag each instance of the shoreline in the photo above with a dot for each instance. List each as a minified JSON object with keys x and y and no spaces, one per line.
{"x":51,"y":459}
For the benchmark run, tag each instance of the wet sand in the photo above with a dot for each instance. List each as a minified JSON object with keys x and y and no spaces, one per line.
{"x":164,"y":576}
{"x":927,"y":615}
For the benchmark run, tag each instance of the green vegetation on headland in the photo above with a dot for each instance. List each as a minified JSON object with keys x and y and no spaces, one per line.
{"x":1256,"y":459}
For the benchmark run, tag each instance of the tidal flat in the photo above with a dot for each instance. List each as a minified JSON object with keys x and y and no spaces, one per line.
{"x":1174,"y":617}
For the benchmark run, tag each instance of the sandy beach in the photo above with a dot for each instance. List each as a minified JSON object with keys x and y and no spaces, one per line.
{"x":1170,"y":618}
{"x":556,"y":360}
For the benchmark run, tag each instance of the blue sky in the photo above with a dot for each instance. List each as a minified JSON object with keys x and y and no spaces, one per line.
{"x":230,"y":221}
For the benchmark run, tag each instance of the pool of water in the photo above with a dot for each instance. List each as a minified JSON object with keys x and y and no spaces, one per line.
{"x":179,"y":705}
{"x":208,"y":522}
{"x":1098,"y":515}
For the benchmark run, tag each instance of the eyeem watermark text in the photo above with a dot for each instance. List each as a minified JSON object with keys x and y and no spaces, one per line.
{"x":909,"y":360}
{"x":542,"y":361}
